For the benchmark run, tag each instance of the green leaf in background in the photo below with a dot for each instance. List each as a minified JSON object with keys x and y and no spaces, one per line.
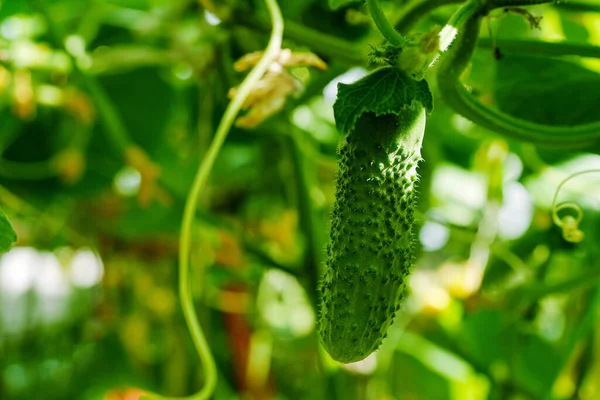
{"x":335,"y":4}
{"x":547,"y":91}
{"x":7,"y":235}
{"x":385,"y":91}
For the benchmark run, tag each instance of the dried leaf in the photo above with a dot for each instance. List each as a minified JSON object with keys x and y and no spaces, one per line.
{"x":271,"y":92}
{"x":267,"y":97}
{"x":247,"y":61}
{"x":260,"y":112}
{"x":286,"y":58}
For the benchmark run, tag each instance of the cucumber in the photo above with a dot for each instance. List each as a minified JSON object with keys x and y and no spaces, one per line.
{"x":370,"y":252}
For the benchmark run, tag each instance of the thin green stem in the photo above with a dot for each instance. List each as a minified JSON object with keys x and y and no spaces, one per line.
{"x":198,"y":186}
{"x":492,"y":4}
{"x":384,"y":26}
{"x":416,"y":10}
{"x":300,"y":146}
{"x":27,"y":171}
{"x":465,"y":25}
{"x":114,"y":126}
{"x":556,"y":49}
{"x":319,"y":42}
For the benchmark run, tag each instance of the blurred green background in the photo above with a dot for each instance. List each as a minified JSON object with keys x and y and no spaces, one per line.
{"x":106,"y":108}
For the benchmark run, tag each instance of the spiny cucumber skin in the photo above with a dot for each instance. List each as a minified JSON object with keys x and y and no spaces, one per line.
{"x":370,"y":253}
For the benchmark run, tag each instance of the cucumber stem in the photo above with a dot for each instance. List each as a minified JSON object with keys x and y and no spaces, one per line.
{"x":384,"y":26}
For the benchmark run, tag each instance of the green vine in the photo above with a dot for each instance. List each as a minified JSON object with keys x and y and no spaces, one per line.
{"x":465,"y":26}
{"x":198,"y":186}
{"x":551,"y":49}
{"x":415,"y":10}
{"x":384,"y":26}
{"x":489,"y":5}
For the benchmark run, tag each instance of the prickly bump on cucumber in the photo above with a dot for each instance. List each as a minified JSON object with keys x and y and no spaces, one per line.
{"x":370,"y":252}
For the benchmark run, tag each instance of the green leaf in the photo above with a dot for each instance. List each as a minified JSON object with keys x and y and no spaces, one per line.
{"x":7,"y":235}
{"x":385,"y":91}
{"x":335,"y":4}
{"x":547,"y":91}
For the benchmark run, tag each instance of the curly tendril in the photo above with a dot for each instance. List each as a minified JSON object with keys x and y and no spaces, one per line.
{"x":569,"y":223}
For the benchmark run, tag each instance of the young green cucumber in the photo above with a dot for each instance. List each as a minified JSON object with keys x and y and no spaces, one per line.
{"x":370,"y":252}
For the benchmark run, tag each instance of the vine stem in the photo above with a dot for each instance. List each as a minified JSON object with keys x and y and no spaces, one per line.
{"x":463,"y":29}
{"x":417,"y":9}
{"x":491,"y":4}
{"x":552,"y":49}
{"x":384,"y":26}
{"x":187,"y":303}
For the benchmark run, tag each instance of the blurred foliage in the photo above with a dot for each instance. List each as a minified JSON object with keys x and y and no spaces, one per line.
{"x":101,"y":133}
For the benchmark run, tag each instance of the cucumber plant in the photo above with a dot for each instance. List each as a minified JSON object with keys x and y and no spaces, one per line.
{"x":370,"y":253}
{"x":371,"y":250}
{"x":382,"y":119}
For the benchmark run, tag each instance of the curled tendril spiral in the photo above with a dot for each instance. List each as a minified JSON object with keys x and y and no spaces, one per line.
{"x":569,"y":223}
